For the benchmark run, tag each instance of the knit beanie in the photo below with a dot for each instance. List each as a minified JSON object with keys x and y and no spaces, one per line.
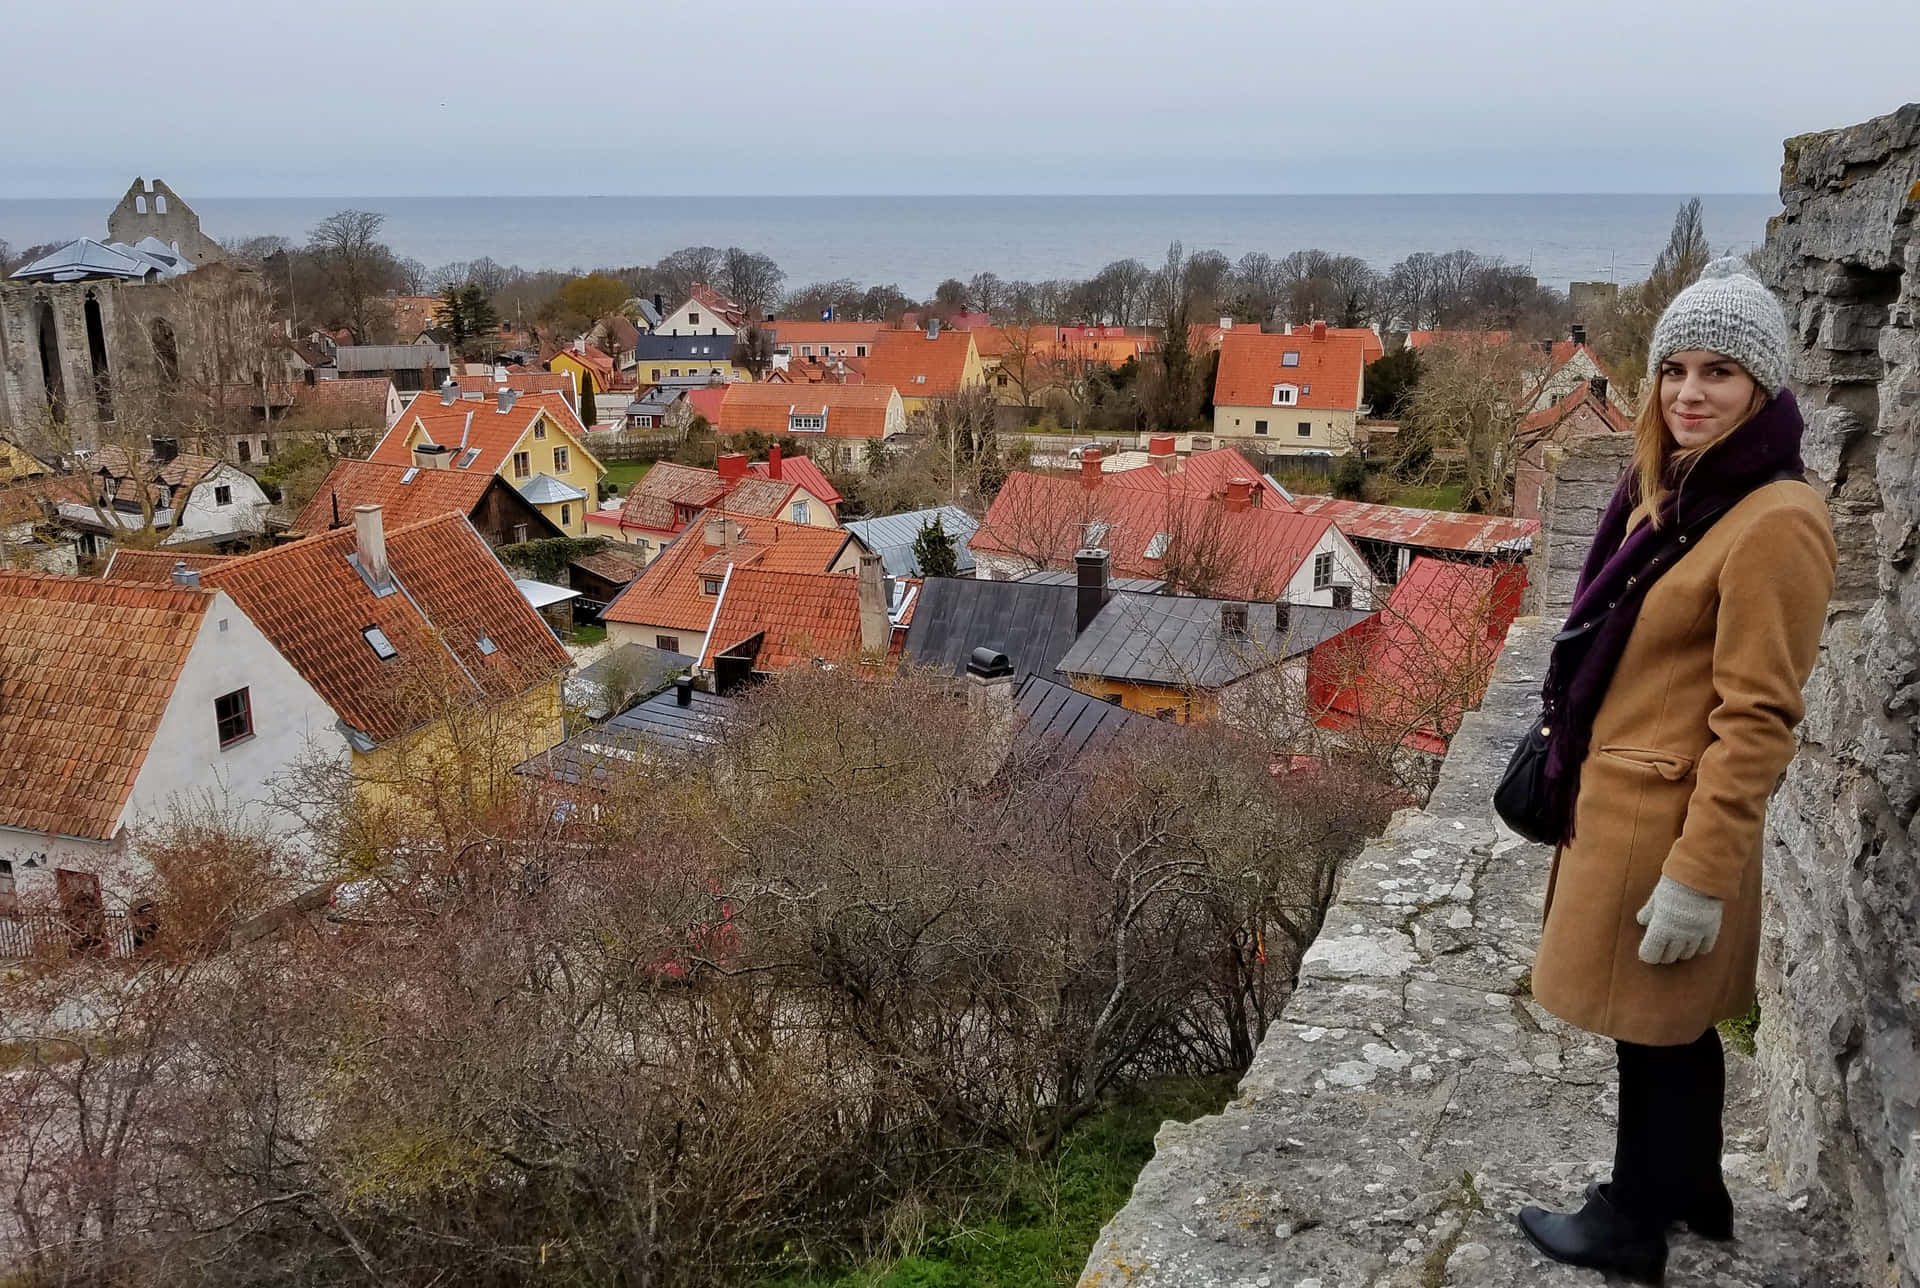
{"x":1728,"y":311}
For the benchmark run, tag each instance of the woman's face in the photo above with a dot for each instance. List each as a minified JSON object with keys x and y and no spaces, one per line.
{"x":1703,"y":395}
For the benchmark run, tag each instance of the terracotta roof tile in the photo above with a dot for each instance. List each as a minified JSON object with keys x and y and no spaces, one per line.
{"x":315,"y":607}
{"x":402,"y":501}
{"x":86,"y":671}
{"x":707,"y":401}
{"x":155,"y":567}
{"x":527,"y":382}
{"x":1327,"y":374}
{"x":800,"y":616}
{"x":351,"y":403}
{"x":802,"y":471}
{"x":1206,"y":474}
{"x":1550,"y":417}
{"x":919,"y":367}
{"x":669,"y":592}
{"x":719,"y":305}
{"x":480,"y":424}
{"x":852,"y":411}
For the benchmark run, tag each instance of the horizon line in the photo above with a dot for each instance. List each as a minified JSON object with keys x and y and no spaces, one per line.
{"x":763,"y":196}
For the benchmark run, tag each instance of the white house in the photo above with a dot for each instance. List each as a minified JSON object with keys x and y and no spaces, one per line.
{"x":705,"y":312}
{"x":121,"y":700}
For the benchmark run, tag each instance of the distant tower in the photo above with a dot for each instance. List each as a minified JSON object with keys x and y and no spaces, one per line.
{"x":157,"y":211}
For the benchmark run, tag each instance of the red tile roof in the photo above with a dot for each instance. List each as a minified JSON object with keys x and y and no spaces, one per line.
{"x":351,"y":403}
{"x":659,"y":502}
{"x":1328,"y":376}
{"x":1206,"y":474}
{"x":1410,"y":670}
{"x":799,"y":615}
{"x":802,"y":471}
{"x":669,"y":592}
{"x":606,"y":376}
{"x":87,"y":669}
{"x":479,"y":424}
{"x":719,"y":305}
{"x":155,"y":567}
{"x":413,"y":314}
{"x":798,"y":331}
{"x":429,"y":493}
{"x":852,"y":411}
{"x":529,"y":382}
{"x":1549,"y":418}
{"x":707,"y":400}
{"x":919,"y":367}
{"x":1199,"y":542}
{"x":315,"y":607}
{"x":1407,"y":526}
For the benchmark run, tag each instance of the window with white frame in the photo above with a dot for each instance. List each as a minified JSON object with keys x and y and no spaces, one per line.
{"x":1323,"y":570}
{"x":800,"y":512}
{"x":566,"y":514}
{"x":1285,"y":395}
{"x":539,"y":429}
{"x":562,"y":460}
{"x":805,"y":424}
{"x":667,"y":643}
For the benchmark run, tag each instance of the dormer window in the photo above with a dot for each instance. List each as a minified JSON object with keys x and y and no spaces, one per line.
{"x":1285,"y":395}
{"x":709,"y":585}
{"x":805,"y":424}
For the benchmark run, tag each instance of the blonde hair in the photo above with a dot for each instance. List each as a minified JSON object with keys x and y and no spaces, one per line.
{"x":1655,"y":453}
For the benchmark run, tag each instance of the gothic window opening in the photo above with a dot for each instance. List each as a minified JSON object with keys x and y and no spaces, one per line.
{"x":97,"y":355}
{"x":50,"y":376}
{"x":166,"y":352}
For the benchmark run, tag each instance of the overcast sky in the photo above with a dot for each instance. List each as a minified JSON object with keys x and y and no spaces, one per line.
{"x":399,"y":97}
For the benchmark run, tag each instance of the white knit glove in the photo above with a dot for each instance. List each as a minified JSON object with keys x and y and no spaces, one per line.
{"x":1681,"y":923}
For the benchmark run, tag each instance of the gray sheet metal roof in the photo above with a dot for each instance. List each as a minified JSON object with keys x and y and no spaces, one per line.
{"x":1177,"y":640}
{"x":683,"y":348}
{"x":891,"y":536}
{"x":86,"y":258}
{"x":544,"y":489}
{"x":1061,"y":720}
{"x":634,"y":668}
{"x":391,"y":357}
{"x":1070,"y":577}
{"x":658,"y":726}
{"x":1032,"y":625}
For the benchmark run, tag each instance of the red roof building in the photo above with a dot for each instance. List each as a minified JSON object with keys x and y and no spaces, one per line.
{"x":1585,"y":410}
{"x":1407,"y":674}
{"x":670,"y":496}
{"x":1200,"y":473}
{"x":922,"y":365}
{"x":769,"y":620}
{"x":1290,"y":394}
{"x":408,"y":494}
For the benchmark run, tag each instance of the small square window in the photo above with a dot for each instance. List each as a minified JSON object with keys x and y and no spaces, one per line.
{"x":667,"y":643}
{"x":233,"y":716}
{"x":1306,"y":429}
{"x":1343,"y":597}
{"x":709,"y":585}
{"x":1259,"y":426}
{"x":800,"y":512}
{"x":693,"y":319}
{"x":382,"y":646}
{"x":539,"y":429}
{"x":222,"y":495}
{"x":859,"y":350}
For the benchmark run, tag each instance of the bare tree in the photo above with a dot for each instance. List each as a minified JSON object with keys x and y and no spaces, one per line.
{"x":687,"y":267}
{"x":347,"y":247}
{"x":750,"y":279}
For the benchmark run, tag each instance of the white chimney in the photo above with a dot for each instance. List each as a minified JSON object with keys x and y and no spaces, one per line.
{"x":1226,"y":324}
{"x":185,"y":576}
{"x":370,"y":543}
{"x":876,"y":629}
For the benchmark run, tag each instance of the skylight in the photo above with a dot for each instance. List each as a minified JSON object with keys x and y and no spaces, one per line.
{"x":1157,"y":548}
{"x":486,"y":646}
{"x":469,"y":456}
{"x":413,"y":472}
{"x":382,"y":646}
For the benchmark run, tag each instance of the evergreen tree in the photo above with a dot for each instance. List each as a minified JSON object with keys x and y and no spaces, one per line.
{"x":589,"y":414}
{"x":468,"y":315}
{"x":935,"y":550}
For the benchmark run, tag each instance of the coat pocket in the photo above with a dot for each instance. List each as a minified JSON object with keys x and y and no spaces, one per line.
{"x":1670,"y":765}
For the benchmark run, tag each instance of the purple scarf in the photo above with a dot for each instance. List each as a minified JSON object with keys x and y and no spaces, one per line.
{"x":1616,"y":575}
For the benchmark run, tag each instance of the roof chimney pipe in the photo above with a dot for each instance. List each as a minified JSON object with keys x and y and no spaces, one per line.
{"x":876,"y":629}
{"x":1094,"y":585}
{"x":185,"y":576}
{"x":1090,"y":467}
{"x":683,"y":689}
{"x":933,"y":328}
{"x":732,"y":467}
{"x":773,"y":461}
{"x":1578,"y":333}
{"x":370,"y":544}
{"x":506,"y":398}
{"x":1239,"y":494}
{"x":449,"y":392}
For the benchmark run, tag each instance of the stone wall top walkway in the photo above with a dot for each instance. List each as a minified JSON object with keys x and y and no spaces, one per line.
{"x":1414,"y":1095}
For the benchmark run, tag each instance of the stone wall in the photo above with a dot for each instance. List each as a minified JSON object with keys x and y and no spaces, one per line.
{"x":1840,"y":976}
{"x":1584,"y":470}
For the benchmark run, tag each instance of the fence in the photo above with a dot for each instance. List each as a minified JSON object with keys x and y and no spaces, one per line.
{"x":49,"y":934}
{"x":634,"y":444}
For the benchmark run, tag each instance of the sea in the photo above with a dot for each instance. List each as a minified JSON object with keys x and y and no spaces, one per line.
{"x":917,"y":241}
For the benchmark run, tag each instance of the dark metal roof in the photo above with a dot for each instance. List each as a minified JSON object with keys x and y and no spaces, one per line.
{"x":1071,"y":577}
{"x":1062,"y":720}
{"x":1032,"y":625}
{"x":1177,"y":640}
{"x":636,"y":668}
{"x":891,"y":536}
{"x":683,"y":348}
{"x":658,"y":726}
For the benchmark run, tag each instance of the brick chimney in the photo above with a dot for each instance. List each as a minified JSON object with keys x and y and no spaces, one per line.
{"x":1090,"y":467}
{"x":717,"y":531}
{"x":1160,"y":453}
{"x":732,"y":467}
{"x":1239,"y":494}
{"x":370,"y":545}
{"x":1319,"y":330}
{"x":876,"y":629}
{"x":773,"y":461}
{"x":1093,"y":568}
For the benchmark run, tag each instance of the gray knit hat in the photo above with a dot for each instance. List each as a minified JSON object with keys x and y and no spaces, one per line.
{"x":1728,"y":311}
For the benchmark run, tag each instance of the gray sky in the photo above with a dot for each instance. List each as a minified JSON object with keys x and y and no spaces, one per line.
{"x":430,"y":97}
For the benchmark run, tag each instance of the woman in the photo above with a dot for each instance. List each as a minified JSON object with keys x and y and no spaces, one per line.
{"x":1671,"y":702}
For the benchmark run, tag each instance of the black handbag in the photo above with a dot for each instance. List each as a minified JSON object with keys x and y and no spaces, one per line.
{"x":1521,"y":797}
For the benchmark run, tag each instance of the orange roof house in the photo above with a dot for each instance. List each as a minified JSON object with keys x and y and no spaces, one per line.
{"x":1290,"y":394}
{"x":1199,"y":473}
{"x":1409,"y":672}
{"x":804,"y":339}
{"x":1225,"y":545}
{"x":813,"y":414}
{"x":1586,"y":409}
{"x":533,"y":441}
{"x":670,"y":496}
{"x":592,"y":370}
{"x":118,"y":696}
{"x":458,"y":623}
{"x":924,"y":365}
{"x":674,"y":599}
{"x":156,"y":567}
{"x":766,"y":621}
{"x":406,"y":494}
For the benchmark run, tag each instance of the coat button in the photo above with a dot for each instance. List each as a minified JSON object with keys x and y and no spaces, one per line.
{"x":1545,"y":732}
{"x":1613,"y":603}
{"x":1683,"y":541}
{"x":1632,"y":581}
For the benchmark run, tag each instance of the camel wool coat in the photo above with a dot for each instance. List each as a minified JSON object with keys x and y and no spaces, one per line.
{"x":1688,"y":744}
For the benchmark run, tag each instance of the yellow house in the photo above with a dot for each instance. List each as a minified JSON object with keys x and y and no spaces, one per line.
{"x":685,"y":361}
{"x":926,"y":367}
{"x":441,"y":676}
{"x":533,"y":441}
{"x":16,"y":463}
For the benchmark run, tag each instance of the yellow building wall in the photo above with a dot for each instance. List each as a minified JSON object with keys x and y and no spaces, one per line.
{"x":651,"y":373}
{"x":583,"y":377}
{"x":480,"y":747}
{"x":1333,"y":431}
{"x":1185,"y":705}
{"x":583,"y":471}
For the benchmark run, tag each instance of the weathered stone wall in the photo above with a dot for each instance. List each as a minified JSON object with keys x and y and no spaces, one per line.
{"x":1840,"y":1000}
{"x":1584,"y":470}
{"x":155,"y":210}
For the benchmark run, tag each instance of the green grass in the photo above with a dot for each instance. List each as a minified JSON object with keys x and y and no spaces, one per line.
{"x":624,"y":474}
{"x":582,"y":636}
{"x":1444,"y":496}
{"x":1035,"y":1222}
{"x":1742,"y":1030}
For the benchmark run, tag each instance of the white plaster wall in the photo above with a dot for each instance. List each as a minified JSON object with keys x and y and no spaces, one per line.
{"x":1349,"y":569}
{"x":202,"y":518}
{"x":676,"y":323}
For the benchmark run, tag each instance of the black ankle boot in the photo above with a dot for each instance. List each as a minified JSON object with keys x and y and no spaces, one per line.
{"x":1600,"y":1237}
{"x":1711,"y":1215}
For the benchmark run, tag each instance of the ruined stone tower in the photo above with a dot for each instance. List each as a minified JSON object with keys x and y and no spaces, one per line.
{"x":155,"y":210}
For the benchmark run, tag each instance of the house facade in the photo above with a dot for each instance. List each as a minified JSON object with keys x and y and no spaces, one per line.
{"x":926,"y":367}
{"x":684,"y":360}
{"x":833,"y":422}
{"x":1289,"y":394}
{"x":704,"y":312}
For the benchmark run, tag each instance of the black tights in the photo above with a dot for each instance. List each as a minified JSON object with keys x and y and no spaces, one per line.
{"x":1666,"y":1158}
